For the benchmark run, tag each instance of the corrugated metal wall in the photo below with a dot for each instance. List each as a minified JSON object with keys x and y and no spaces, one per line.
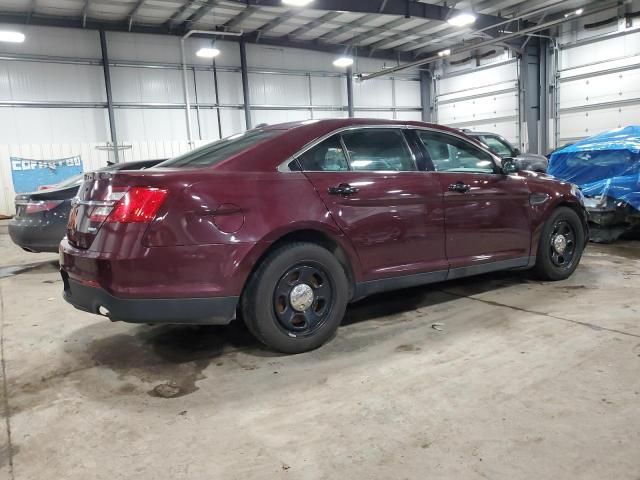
{"x":599,"y":81}
{"x":53,"y":100}
{"x":483,"y":98}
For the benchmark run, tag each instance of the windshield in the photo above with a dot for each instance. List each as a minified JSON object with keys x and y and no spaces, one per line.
{"x":215,"y":152}
{"x":497,"y":146}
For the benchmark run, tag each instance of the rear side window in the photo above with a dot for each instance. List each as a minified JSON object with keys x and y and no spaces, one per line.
{"x":215,"y":152}
{"x":378,"y":149}
{"x":328,"y":156}
{"x":452,"y":154}
{"x":497,"y":146}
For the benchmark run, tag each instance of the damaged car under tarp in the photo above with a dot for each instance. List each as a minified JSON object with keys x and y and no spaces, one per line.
{"x":606,"y":168}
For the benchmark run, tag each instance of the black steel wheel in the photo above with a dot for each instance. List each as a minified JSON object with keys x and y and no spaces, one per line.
{"x":562,"y":241}
{"x":296,"y":299}
{"x":562,"y":244}
{"x":303,"y":298}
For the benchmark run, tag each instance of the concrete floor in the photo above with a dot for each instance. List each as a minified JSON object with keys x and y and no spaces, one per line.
{"x":492,"y":377}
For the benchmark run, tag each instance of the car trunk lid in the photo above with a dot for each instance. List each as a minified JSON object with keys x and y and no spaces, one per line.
{"x":110,"y":197}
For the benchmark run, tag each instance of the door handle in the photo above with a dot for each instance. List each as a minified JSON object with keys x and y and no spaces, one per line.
{"x":343,"y":189}
{"x":459,"y":187}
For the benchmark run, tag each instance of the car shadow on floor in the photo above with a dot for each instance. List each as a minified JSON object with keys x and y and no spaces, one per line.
{"x":175,"y":357}
{"x":147,"y":347}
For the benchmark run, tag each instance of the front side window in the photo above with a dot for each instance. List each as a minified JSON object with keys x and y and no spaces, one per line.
{"x":378,"y":149}
{"x":497,"y":146}
{"x":452,"y":154}
{"x":327,"y":156}
{"x":216,"y":152}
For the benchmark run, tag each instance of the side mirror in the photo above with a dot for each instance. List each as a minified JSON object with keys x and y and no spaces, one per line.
{"x":517,"y":152}
{"x":509,"y":166}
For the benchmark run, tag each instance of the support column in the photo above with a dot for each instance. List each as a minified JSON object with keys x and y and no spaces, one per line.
{"x":107,"y":86}
{"x":426,"y":95}
{"x":245,"y":84}
{"x":545,"y":95}
{"x":350,"y":92}
{"x":530,"y":91}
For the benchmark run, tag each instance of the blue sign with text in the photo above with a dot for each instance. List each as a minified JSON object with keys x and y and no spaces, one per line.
{"x":29,"y":175}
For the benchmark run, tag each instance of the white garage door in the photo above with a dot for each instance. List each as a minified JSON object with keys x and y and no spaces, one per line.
{"x":485,"y":99}
{"x":599,"y":87}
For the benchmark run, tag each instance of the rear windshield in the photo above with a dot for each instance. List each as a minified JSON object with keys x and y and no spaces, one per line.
{"x":215,"y":152}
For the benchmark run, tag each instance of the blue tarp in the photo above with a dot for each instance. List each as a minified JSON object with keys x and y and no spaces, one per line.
{"x":606,"y":165}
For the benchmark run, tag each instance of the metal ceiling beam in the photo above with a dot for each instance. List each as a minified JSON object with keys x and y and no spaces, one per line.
{"x":347,"y":27}
{"x":276,"y":22}
{"x":123,"y":26}
{"x":241,"y":17}
{"x":134,"y":11}
{"x":372,"y":31}
{"x":421,"y":47}
{"x":315,"y":24}
{"x":173,"y":19}
{"x":198,"y":14}
{"x":598,"y":7}
{"x":405,"y":8}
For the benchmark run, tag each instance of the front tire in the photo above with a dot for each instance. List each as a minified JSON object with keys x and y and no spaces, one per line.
{"x":296,"y":299}
{"x":561,"y":244}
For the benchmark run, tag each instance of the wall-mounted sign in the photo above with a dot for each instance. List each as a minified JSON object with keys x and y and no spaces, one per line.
{"x":29,"y":175}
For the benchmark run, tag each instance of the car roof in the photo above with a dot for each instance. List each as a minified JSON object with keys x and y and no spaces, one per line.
{"x":293,"y":136}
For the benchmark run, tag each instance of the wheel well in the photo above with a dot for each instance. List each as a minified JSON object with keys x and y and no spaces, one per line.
{"x":318,"y":238}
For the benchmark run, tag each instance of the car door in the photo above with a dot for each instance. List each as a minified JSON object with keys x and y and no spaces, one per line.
{"x":486,"y":212}
{"x":368,"y":179}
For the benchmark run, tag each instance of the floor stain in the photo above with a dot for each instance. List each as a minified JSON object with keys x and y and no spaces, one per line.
{"x":11,"y":270}
{"x":172,"y":357}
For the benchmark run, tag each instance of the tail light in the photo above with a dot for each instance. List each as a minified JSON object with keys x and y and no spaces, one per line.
{"x":40,"y":206}
{"x":135,"y":205}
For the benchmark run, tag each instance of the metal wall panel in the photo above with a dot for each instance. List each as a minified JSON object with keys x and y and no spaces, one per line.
{"x":148,"y":85}
{"x":50,"y":82}
{"x":373,"y":93}
{"x":329,"y":91}
{"x":52,"y":125}
{"x":230,"y":88}
{"x":269,"y":89}
{"x":484,"y":98}
{"x":278,"y":116}
{"x":599,"y":83}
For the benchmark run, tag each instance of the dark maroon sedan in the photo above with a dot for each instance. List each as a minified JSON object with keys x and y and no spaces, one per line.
{"x":287,"y":224}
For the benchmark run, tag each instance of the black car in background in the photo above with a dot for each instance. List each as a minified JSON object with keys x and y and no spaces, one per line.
{"x":41,"y":217}
{"x":501,"y":147}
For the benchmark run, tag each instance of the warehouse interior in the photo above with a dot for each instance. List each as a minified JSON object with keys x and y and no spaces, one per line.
{"x":493,"y":376}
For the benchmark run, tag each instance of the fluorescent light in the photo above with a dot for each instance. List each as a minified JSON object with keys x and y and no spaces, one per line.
{"x":578,"y":12}
{"x":13,"y":37}
{"x":343,"y":62}
{"x":208,"y":52}
{"x":462,"y":19}
{"x":297,"y":3}
{"x":444,"y":53}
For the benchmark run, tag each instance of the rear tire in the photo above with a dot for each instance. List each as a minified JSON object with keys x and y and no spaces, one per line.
{"x":296,"y":299}
{"x":561,"y":244}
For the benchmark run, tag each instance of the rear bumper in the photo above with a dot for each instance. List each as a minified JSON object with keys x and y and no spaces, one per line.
{"x":36,"y":238}
{"x":196,"y":311}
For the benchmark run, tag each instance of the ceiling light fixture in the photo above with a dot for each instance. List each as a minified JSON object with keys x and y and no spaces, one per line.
{"x":297,"y":3}
{"x":13,"y":37}
{"x":444,"y":53}
{"x":578,"y":12}
{"x":343,"y":62}
{"x":205,"y":52}
{"x":462,"y":19}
